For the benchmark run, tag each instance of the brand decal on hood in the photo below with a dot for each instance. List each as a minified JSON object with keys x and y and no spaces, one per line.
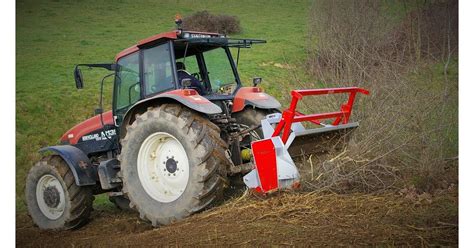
{"x":103,"y":135}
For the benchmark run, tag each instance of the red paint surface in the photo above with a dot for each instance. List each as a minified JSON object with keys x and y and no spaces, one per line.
{"x":291,"y":116}
{"x":126,"y":52}
{"x":265,"y":161}
{"x":172,"y":35}
{"x":247,"y":93}
{"x":86,"y":127}
{"x":190,"y":95}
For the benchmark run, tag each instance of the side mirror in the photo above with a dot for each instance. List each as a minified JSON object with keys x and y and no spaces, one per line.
{"x":256,"y":81}
{"x":78,"y":78}
{"x":186,"y":83}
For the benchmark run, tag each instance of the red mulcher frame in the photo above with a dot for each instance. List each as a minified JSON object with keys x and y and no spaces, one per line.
{"x":291,"y":116}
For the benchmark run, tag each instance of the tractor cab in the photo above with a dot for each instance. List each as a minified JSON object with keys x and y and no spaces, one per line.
{"x":179,"y":59}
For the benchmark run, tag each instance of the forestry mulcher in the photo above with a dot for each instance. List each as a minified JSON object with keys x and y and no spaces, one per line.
{"x":182,"y":128}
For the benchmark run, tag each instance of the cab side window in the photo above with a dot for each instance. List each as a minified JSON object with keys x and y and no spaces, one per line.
{"x":127,"y":81}
{"x":158,"y":72}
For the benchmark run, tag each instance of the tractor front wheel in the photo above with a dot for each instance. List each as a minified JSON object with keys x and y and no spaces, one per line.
{"x":173,"y":163}
{"x":54,"y":200}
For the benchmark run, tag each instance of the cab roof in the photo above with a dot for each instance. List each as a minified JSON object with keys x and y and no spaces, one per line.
{"x":157,"y":38}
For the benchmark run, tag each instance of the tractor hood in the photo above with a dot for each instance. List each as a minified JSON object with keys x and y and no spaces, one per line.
{"x":89,"y":126}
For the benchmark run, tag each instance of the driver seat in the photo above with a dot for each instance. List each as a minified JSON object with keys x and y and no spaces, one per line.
{"x":182,"y":74}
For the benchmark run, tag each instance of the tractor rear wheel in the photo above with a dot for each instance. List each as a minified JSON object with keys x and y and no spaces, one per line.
{"x":173,"y":163}
{"x":54,"y":200}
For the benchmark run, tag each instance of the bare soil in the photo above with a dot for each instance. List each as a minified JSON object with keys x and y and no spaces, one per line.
{"x":288,"y":219}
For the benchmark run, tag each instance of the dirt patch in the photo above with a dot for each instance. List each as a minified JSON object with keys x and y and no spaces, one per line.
{"x":285,"y":219}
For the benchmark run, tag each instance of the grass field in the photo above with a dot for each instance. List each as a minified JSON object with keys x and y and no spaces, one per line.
{"x":53,"y":36}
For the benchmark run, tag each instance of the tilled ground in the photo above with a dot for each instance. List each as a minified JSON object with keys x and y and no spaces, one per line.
{"x":288,"y":219}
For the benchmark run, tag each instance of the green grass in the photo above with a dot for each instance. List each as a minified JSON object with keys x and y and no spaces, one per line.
{"x":53,"y":36}
{"x":101,"y":202}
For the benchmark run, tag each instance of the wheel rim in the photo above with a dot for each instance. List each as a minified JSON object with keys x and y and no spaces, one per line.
{"x":163,"y":167}
{"x":50,"y":197}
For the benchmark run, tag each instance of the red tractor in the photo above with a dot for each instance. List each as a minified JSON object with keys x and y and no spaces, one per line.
{"x":181,"y":127}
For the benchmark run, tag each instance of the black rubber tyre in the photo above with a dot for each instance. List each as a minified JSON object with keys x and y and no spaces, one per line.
{"x":252,"y":117}
{"x":206,"y":152}
{"x":77,"y":200}
{"x":121,"y":202}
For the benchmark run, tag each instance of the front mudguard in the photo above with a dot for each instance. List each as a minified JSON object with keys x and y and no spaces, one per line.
{"x":82,"y":169}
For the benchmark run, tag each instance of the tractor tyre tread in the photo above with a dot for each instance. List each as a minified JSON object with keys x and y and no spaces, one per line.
{"x":78,"y":199}
{"x":208,"y":151}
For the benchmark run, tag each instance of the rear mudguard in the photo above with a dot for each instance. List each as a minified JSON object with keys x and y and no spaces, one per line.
{"x":80,"y":165}
{"x":191,"y":99}
{"x":188,"y":97}
{"x":253,"y":96}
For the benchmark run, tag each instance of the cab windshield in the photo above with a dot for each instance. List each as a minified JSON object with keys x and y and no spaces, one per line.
{"x":221,"y":75}
{"x":208,"y":70}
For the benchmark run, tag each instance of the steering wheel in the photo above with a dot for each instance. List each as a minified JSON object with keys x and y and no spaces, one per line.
{"x":196,"y":75}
